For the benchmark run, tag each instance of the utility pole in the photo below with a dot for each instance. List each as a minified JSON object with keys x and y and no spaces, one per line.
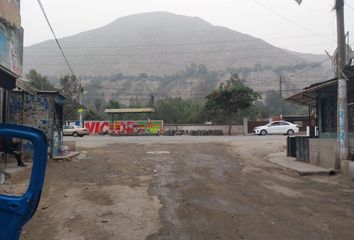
{"x":80,"y":102}
{"x":281,"y":97}
{"x":342,"y":100}
{"x":80,"y":113}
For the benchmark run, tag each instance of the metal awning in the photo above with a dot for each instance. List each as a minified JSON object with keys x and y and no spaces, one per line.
{"x":58,"y":97}
{"x":129,"y":110}
{"x":308,"y":96}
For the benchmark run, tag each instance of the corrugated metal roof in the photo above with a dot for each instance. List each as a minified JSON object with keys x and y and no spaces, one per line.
{"x":308,"y":96}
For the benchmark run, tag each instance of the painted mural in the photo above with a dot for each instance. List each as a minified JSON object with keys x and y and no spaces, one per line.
{"x":154,"y":127}
{"x":11,"y":48}
{"x":96,"y":127}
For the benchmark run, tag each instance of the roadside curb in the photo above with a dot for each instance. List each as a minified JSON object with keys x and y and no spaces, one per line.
{"x":303,"y":168}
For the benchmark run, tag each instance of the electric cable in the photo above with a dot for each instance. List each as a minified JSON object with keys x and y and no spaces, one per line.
{"x":55,"y":37}
{"x":288,"y":19}
{"x":349,"y":6}
{"x":308,"y":69}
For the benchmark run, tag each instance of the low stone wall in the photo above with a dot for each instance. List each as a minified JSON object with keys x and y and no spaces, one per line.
{"x":235,"y":130}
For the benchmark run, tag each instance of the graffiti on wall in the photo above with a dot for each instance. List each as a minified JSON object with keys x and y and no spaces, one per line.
{"x":96,"y":127}
{"x":37,"y":113}
{"x":125,"y":127}
{"x":57,"y":142}
{"x":11,"y":48}
{"x":15,"y":108}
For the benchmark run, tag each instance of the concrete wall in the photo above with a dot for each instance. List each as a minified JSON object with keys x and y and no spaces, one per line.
{"x":236,"y":129}
{"x":322,"y":152}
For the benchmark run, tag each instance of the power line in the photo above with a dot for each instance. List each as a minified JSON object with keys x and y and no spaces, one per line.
{"x":169,"y":53}
{"x":288,"y":19}
{"x":349,"y":6}
{"x":308,"y":69}
{"x":55,"y":37}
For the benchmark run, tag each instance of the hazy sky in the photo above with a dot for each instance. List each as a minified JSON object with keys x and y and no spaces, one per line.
{"x":310,"y":27}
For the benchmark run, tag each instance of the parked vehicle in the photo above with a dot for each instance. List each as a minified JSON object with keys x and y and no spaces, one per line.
{"x":277,"y":127}
{"x":75,"y":131}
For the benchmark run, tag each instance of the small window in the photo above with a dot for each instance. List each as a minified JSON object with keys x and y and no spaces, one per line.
{"x":284,"y":123}
{"x":274,"y":124}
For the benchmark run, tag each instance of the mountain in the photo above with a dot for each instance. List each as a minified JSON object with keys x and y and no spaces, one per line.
{"x":164,"y":54}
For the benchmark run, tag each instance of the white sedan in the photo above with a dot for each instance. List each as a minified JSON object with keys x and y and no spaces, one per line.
{"x":277,"y":127}
{"x":75,"y":131}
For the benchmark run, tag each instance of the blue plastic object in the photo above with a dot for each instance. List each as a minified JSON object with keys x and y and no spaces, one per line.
{"x":16,"y":211}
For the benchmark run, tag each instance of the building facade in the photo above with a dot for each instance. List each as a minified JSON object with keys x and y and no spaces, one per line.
{"x":321,"y":98}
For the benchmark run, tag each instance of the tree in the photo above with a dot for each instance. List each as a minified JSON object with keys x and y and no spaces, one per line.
{"x":151,"y":101}
{"x":179,"y":111}
{"x":70,"y":88}
{"x":90,"y":114}
{"x":38,"y":81}
{"x":273,"y":103}
{"x":97,"y":104}
{"x":231,"y":97}
{"x":113,"y":104}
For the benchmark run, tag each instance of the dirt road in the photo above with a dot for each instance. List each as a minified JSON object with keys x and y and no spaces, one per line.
{"x":189,"y":190}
